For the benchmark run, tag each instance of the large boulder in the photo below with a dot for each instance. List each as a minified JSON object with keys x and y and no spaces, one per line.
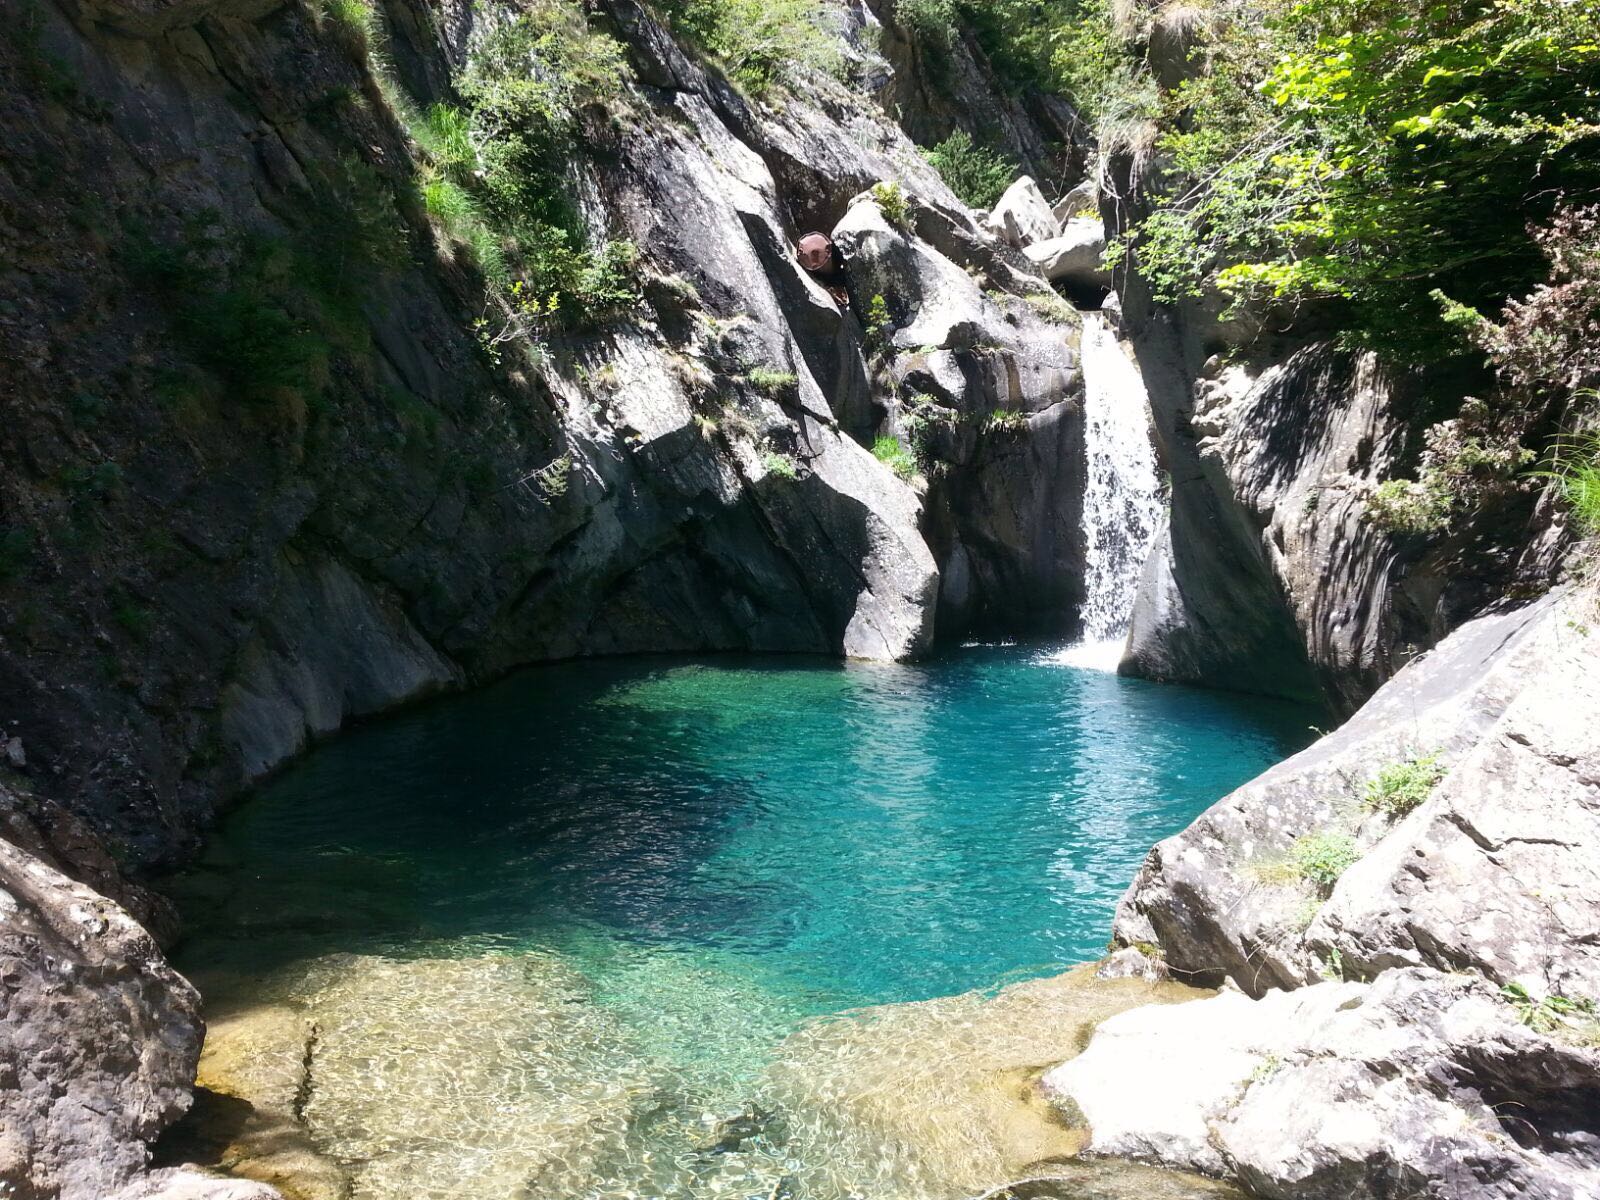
{"x":1421,"y":1084}
{"x":987,"y":385}
{"x":1074,"y":256}
{"x":1494,"y":870}
{"x":98,"y":1037}
{"x":1022,"y":216}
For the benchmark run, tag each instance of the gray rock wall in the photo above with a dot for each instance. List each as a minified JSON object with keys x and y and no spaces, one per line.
{"x":204,"y":572}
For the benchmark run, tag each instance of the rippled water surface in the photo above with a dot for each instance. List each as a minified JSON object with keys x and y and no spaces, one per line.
{"x":604,"y":894}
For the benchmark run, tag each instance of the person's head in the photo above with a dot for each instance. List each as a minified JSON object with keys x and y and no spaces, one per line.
{"x":816,"y":252}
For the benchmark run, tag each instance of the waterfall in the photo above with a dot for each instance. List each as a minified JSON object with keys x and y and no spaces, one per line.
{"x":1122,"y":495}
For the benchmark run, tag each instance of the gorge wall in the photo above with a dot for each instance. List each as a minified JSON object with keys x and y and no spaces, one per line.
{"x":275,"y":459}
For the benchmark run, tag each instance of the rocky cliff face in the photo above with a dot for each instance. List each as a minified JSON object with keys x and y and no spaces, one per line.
{"x":1270,"y":577}
{"x":276,"y":459}
{"x":1409,"y":903}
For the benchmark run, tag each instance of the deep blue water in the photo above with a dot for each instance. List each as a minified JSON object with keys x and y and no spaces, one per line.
{"x":850,"y":834}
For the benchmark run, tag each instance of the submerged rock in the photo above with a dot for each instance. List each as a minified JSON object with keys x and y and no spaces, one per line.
{"x":432,"y":1077}
{"x":941,"y":1099}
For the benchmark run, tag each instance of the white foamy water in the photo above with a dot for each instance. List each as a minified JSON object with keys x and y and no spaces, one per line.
{"x":1122,"y":495}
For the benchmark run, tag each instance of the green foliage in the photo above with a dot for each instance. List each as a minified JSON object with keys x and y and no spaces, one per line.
{"x":1003,"y":420}
{"x":134,"y":617}
{"x":1552,"y":1013}
{"x":783,"y":466}
{"x":16,"y":553}
{"x":931,"y":22}
{"x":888,"y":450}
{"x":453,"y":208}
{"x":761,"y":44}
{"x":1399,"y":787}
{"x":891,"y":202}
{"x":1410,"y":506}
{"x":770,"y":382}
{"x":877,"y":323}
{"x":1579,"y":476}
{"x":1370,"y":152}
{"x":1051,"y":307}
{"x":975,"y":173}
{"x":499,"y":178}
{"x":445,"y":134}
{"x":262,"y":311}
{"x":1469,"y":459}
{"x":43,"y":73}
{"x":353,"y":22}
{"x":1320,"y":858}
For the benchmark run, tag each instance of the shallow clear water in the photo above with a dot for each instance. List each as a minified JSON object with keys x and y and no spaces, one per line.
{"x":705,"y":855}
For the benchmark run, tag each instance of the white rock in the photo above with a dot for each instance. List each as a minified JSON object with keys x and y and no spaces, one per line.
{"x":1074,"y":256}
{"x":1023,"y":216}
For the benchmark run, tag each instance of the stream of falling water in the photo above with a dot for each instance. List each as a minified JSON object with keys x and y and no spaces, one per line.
{"x":1122,"y":497}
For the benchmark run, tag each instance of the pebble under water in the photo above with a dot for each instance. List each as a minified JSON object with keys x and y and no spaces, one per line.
{"x":585,"y":933}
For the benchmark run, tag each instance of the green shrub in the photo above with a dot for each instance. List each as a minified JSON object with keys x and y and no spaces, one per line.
{"x":1409,"y":506}
{"x":1367,"y":155}
{"x":891,"y":202}
{"x":1051,"y":307}
{"x":1003,"y":420}
{"x":877,"y":324}
{"x":1575,"y":468}
{"x":978,"y":175}
{"x":525,"y":92}
{"x":1321,"y":858}
{"x":353,"y":22}
{"x":781,"y":465}
{"x":770,"y":382}
{"x":134,"y":617}
{"x":1402,"y":786}
{"x":932,"y":22}
{"x":888,"y":450}
{"x":1553,"y":1013}
{"x":761,"y":43}
{"x":445,"y":134}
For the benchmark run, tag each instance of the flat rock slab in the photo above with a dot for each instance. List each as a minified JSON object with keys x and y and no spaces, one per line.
{"x":1420,"y":1084}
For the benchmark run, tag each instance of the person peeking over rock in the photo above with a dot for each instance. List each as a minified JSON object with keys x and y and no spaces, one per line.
{"x":823,"y":262}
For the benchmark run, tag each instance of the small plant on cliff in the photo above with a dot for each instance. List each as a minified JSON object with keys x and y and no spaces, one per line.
{"x":878,"y":324}
{"x":353,"y":22}
{"x":891,"y":202}
{"x":1400,"y":787}
{"x":781,"y":465}
{"x":889,"y":451}
{"x":1552,"y":1013}
{"x":771,"y":382}
{"x":977,"y":174}
{"x":931,"y":22}
{"x":1321,"y":858}
{"x":761,"y":43}
{"x":1051,"y":307}
{"x":1003,"y":420}
{"x":16,"y":553}
{"x":1575,"y":468}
